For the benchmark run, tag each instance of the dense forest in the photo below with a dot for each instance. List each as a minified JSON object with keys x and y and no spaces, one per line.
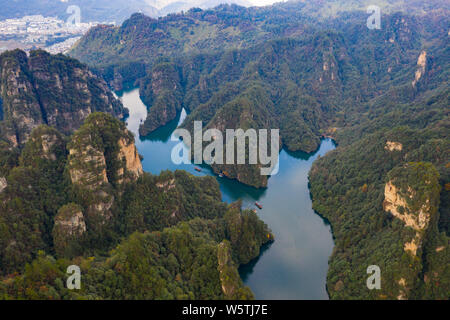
{"x":279,"y":67}
{"x":85,"y":200}
{"x":74,"y":192}
{"x":314,"y":69}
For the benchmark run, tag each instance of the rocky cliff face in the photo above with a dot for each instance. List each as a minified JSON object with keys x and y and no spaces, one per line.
{"x":53,"y":90}
{"x":3,"y":184}
{"x":70,"y":220}
{"x":421,"y":65}
{"x":102,"y":158}
{"x":130,"y":158}
{"x":412,"y":196}
{"x":69,"y":226}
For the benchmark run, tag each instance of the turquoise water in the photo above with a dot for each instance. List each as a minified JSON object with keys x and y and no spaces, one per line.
{"x":295,"y":265}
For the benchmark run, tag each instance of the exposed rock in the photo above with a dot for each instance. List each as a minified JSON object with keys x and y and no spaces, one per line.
{"x":128,"y":153}
{"x":3,"y":184}
{"x":20,"y":102}
{"x":102,"y":157}
{"x":421,"y":63}
{"x":167,"y":185}
{"x":412,"y":195}
{"x":402,"y":295}
{"x":339,"y":285}
{"x":70,"y":220}
{"x":393,"y":201}
{"x":413,"y":245}
{"x":393,"y":146}
{"x":88,"y":167}
{"x":54,"y":90}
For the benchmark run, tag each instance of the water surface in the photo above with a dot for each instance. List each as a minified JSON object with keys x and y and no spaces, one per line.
{"x":295,"y":265}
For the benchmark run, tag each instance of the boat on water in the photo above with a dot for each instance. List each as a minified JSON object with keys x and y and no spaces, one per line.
{"x":258,"y":205}
{"x":198,"y":169}
{"x":220,"y":175}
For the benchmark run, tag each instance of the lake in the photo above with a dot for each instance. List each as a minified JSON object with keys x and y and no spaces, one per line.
{"x":296,"y":264}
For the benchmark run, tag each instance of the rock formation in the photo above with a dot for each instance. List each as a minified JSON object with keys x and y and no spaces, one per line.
{"x":102,"y":158}
{"x":68,"y":228}
{"x":412,"y":196}
{"x":53,"y":90}
{"x":3,"y":184}
{"x":421,"y":65}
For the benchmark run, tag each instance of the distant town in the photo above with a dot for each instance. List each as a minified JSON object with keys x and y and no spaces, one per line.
{"x":49,"y":33}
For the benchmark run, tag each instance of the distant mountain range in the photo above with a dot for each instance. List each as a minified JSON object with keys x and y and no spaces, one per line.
{"x":104,"y":10}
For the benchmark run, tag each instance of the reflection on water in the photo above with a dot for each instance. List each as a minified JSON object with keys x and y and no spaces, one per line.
{"x":295,"y":265}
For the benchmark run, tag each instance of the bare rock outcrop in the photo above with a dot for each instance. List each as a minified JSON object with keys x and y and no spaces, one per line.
{"x":102,"y":157}
{"x":394,"y":201}
{"x":393,"y":146}
{"x":129,"y":155}
{"x":70,"y":220}
{"x":412,"y":196}
{"x":421,"y":66}
{"x":3,"y":184}
{"x":55,"y":90}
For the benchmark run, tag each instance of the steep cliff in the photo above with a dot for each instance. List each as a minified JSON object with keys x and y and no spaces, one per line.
{"x":53,"y":90}
{"x":412,"y":196}
{"x":102,"y":156}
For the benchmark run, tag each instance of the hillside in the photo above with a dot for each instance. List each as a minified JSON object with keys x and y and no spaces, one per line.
{"x":306,"y":76}
{"x":74,"y":199}
{"x":313,"y":68}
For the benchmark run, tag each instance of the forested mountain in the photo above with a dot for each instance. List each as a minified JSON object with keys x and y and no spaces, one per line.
{"x":72,"y":188}
{"x":284,"y":66}
{"x":313,"y":68}
{"x":73,"y":199}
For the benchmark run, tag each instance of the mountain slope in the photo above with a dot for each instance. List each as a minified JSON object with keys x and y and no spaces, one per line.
{"x":54,"y":90}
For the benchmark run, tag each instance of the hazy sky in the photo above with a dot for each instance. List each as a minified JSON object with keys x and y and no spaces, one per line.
{"x":263,"y":2}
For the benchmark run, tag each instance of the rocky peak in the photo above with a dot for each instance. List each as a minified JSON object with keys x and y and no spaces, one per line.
{"x":412,"y":196}
{"x":50,"y":89}
{"x":103,"y":156}
{"x":394,"y":201}
{"x":130,"y":157}
{"x":393,"y":146}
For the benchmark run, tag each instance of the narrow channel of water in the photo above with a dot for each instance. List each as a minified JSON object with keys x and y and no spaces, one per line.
{"x":296,"y":264}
